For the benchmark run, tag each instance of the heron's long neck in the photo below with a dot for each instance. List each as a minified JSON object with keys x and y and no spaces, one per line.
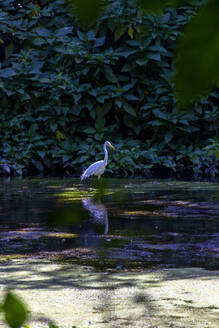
{"x":106,"y":155}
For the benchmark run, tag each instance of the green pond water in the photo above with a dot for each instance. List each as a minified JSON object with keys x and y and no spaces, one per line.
{"x":118,"y":223}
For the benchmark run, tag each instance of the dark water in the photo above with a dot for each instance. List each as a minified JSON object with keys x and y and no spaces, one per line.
{"x":118,"y":223}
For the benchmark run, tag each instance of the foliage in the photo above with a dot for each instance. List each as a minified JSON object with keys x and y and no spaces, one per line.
{"x":157,"y":6}
{"x":93,"y":9}
{"x":197,"y":68}
{"x":65,"y":90}
{"x":198,"y":49}
{"x":14,"y":311}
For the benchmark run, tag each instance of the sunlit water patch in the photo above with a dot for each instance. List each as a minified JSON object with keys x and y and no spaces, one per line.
{"x":120,"y":222}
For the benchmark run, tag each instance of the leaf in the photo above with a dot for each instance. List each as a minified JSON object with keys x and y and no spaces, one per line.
{"x":141,"y":62}
{"x":131,"y":32}
{"x":15,"y":311}
{"x":81,"y":35}
{"x":127,"y":53}
{"x":118,"y":102}
{"x":197,"y":64}
{"x":131,"y":97}
{"x":42,"y":31}
{"x":154,"y":56}
{"x":157,"y":6}
{"x":65,"y":158}
{"x":168,"y":136}
{"x":42,"y":154}
{"x":100,"y":41}
{"x":38,"y":165}
{"x":91,"y":35}
{"x":120,"y":30}
{"x":158,"y":49}
{"x":109,"y":74}
{"x":83,"y":158}
{"x":7,"y":72}
{"x":63,"y":31}
{"x":59,"y":135}
{"x":39,"y":41}
{"x":9,"y":50}
{"x":128,"y":87}
{"x":36,"y":67}
{"x":53,"y":126}
{"x":89,"y":130}
{"x":87,"y":11}
{"x":129,"y":109}
{"x":5,"y":168}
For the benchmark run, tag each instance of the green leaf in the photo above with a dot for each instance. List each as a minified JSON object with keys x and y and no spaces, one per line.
{"x":157,"y":6}
{"x":9,"y":50}
{"x":42,"y":31}
{"x":99,"y":42}
{"x":120,"y":30}
{"x":129,"y":109}
{"x":131,"y":97}
{"x":39,"y":41}
{"x":65,"y":158}
{"x":87,"y":11}
{"x":36,"y":68}
{"x":63,"y":31}
{"x":118,"y":102}
{"x":7,"y":72}
{"x":38,"y":165}
{"x":53,"y":126}
{"x":89,"y":130}
{"x":197,"y":64}
{"x":81,"y":35}
{"x":110,"y":75}
{"x":168,"y":136}
{"x":42,"y":154}
{"x":91,"y":35}
{"x":157,"y":48}
{"x":154,"y":56}
{"x":141,"y":62}
{"x":83,"y":158}
{"x":15,"y":311}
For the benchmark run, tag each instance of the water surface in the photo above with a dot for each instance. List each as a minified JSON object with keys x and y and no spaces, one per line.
{"x":120,"y":223}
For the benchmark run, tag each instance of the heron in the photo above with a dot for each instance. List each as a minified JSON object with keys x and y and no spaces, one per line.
{"x":98,"y":168}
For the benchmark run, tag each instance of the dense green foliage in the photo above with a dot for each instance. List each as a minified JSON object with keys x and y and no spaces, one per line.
{"x":65,"y":90}
{"x":197,"y":48}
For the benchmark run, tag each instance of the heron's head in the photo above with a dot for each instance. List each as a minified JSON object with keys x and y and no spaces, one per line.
{"x":107,"y":143}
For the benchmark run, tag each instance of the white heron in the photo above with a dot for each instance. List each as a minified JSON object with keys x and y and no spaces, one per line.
{"x":98,"y":168}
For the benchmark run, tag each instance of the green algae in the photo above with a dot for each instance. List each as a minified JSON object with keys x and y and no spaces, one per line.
{"x":70,"y":294}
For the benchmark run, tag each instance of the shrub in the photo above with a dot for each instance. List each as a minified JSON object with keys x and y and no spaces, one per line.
{"x":65,"y":90}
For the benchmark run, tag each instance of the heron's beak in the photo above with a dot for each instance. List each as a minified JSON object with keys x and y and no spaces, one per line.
{"x":113,"y":148}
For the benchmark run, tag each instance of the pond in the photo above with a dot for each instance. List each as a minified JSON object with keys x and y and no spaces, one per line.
{"x":118,"y":223}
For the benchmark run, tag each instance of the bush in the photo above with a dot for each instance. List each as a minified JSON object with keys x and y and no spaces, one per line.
{"x":65,"y":90}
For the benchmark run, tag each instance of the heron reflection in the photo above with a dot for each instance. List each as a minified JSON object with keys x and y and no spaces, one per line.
{"x":98,"y":212}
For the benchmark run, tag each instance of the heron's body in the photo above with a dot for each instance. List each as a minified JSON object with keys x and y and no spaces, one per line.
{"x":97,"y":168}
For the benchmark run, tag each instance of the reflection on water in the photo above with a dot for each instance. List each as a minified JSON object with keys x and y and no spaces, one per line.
{"x":155,"y":223}
{"x":98,"y":212}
